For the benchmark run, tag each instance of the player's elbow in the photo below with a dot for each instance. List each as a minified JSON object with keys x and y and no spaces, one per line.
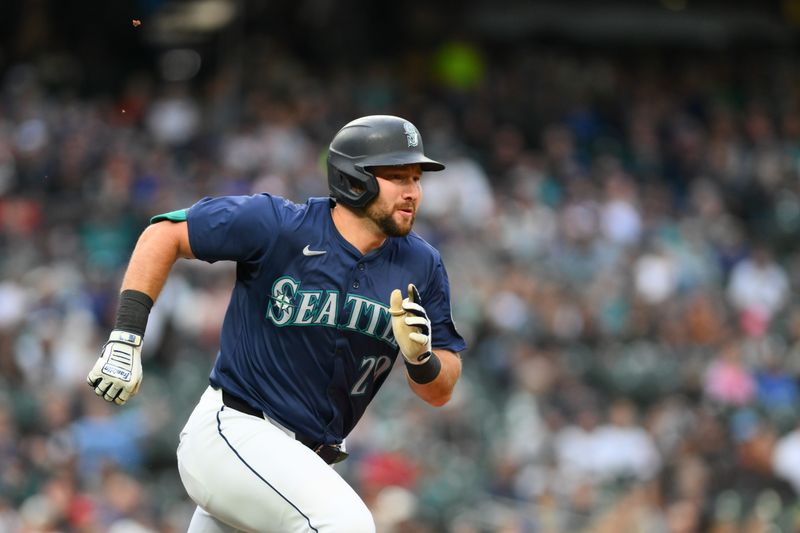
{"x":439,"y":398}
{"x":439,"y":401}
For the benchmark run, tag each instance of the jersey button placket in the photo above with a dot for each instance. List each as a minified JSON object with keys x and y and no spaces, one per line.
{"x":356,"y":282}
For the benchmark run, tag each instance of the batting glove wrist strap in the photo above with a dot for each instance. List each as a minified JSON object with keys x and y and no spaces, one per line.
{"x":125,"y":337}
{"x":117,"y":374}
{"x":411,"y":326}
{"x":425,"y":372}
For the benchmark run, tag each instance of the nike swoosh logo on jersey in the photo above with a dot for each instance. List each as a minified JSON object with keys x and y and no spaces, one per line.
{"x":309,"y":252}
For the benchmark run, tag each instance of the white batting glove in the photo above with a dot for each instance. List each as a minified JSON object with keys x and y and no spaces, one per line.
{"x":411,"y":326}
{"x":117,"y":374}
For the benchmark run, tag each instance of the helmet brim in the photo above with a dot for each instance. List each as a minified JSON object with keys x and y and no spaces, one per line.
{"x":401,"y":158}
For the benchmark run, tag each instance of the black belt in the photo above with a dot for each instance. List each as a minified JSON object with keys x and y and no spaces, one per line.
{"x":330,"y":453}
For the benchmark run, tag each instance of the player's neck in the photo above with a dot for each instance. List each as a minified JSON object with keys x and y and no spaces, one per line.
{"x":357,"y":229}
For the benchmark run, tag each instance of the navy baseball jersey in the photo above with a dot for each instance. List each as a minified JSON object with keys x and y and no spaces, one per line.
{"x":307,"y":336}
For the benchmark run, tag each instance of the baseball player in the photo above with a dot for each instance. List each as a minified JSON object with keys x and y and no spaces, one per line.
{"x":327,"y":293}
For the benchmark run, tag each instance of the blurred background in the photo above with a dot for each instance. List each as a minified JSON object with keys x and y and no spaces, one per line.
{"x":619,"y":217}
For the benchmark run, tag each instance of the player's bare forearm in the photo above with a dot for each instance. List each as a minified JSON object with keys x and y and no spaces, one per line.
{"x":159,"y":246}
{"x":439,"y":391}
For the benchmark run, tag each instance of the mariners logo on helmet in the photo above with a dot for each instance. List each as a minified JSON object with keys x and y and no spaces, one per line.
{"x":367,"y":142}
{"x":412,"y":135}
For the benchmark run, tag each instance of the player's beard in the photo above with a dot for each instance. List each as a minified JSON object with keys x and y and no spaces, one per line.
{"x":385,"y":221}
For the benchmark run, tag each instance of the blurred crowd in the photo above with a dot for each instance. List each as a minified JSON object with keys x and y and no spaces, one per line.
{"x":619,"y":230}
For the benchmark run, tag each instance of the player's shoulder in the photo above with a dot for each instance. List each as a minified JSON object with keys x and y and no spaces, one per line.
{"x":319,"y":203}
{"x":277,"y":201}
{"x":290,"y":207}
{"x":262,"y":206}
{"x":242,"y":201}
{"x":295,"y":215}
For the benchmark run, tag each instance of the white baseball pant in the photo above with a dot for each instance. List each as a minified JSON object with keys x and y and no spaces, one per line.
{"x":247,"y":474}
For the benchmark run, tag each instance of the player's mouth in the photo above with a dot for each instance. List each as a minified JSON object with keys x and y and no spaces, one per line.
{"x":407,"y":212}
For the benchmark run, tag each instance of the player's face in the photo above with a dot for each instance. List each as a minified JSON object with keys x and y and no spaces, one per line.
{"x":400,"y":192}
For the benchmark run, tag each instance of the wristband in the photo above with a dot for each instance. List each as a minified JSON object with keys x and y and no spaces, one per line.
{"x":134,"y":308}
{"x":425,"y":372}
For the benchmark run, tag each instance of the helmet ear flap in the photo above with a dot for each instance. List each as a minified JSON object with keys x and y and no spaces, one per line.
{"x":353,"y":190}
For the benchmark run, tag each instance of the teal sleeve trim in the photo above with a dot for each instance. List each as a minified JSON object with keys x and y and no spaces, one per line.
{"x":172,"y":216}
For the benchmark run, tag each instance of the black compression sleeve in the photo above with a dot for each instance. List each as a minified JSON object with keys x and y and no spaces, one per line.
{"x":426,"y":372}
{"x":134,"y":308}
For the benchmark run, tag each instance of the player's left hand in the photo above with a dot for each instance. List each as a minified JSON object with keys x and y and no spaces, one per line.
{"x":411,"y":326}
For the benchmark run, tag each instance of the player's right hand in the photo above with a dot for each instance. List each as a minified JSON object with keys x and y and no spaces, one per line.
{"x":117,"y":374}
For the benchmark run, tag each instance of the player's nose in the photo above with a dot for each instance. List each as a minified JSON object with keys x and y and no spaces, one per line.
{"x":411,"y":190}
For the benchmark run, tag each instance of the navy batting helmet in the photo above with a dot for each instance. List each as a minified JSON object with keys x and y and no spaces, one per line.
{"x":371,"y":141}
